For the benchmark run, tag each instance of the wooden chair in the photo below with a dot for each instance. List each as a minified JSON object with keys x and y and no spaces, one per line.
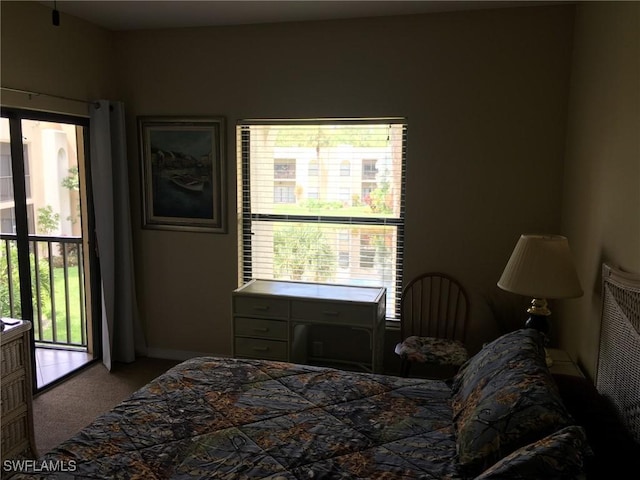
{"x":434,"y":312}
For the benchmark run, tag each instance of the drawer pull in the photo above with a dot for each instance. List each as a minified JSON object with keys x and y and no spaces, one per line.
{"x":261,"y":308}
{"x":260,"y":349}
{"x":331,"y":313}
{"x":261,"y":330}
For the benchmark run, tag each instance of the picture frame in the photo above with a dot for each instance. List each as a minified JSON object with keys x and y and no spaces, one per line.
{"x":183,"y":173}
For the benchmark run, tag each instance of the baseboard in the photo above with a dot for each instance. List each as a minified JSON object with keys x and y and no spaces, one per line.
{"x":181,"y":355}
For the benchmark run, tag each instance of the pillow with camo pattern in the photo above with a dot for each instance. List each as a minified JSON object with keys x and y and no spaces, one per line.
{"x":504,"y":398}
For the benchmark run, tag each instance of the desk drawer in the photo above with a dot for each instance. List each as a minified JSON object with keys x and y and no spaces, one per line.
{"x":260,"y":328}
{"x":333,"y":313}
{"x":259,"y":348}
{"x":261,"y":306}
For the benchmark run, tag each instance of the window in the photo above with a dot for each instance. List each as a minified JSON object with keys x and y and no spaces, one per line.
{"x":367,"y":250}
{"x":344,"y":248}
{"x":8,"y":219}
{"x":313,"y":168}
{"x":316,"y":229}
{"x":6,"y":182}
{"x":284,"y":169}
{"x":284,"y":180}
{"x":369,"y":169}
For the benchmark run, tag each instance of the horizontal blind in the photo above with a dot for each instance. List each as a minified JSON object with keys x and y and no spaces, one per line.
{"x":323,"y":201}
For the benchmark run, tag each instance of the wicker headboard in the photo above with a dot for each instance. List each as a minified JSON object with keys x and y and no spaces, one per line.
{"x":618,"y":372}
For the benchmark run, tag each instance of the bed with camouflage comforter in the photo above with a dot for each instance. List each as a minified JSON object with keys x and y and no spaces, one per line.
{"x":210,"y":417}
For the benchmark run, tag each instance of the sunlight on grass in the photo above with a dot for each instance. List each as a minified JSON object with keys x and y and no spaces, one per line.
{"x":75,"y":317}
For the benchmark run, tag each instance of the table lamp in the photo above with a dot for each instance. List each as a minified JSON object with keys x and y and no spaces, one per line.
{"x":541,"y":266}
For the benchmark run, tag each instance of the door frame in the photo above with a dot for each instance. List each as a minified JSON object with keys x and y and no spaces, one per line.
{"x":92,"y":289}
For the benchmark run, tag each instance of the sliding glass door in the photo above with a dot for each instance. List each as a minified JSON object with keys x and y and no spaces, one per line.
{"x":47,"y":259}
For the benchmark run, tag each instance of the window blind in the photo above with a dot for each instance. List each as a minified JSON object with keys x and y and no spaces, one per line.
{"x":323,"y":201}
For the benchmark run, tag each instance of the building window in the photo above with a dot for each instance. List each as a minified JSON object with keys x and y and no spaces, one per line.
{"x":284,"y":194}
{"x":313,"y":168}
{"x":284,"y":180}
{"x":300,"y":231}
{"x":8,"y":220}
{"x":6,"y":175}
{"x":343,"y":259}
{"x":367,"y":251}
{"x":284,"y":169}
{"x":369,"y":170}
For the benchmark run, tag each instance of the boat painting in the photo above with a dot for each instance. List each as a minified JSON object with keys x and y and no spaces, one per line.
{"x":183,"y":172}
{"x":188,"y":182}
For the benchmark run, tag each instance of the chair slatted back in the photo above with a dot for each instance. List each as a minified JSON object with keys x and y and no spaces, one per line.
{"x":434,"y":305}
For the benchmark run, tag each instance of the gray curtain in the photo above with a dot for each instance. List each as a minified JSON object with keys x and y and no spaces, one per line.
{"x":122,"y":338}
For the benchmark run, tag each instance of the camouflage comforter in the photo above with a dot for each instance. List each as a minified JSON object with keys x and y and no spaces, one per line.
{"x":233,"y":419}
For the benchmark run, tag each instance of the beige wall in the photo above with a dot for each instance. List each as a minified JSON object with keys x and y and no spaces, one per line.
{"x":73,"y":60}
{"x":485,"y":94}
{"x":601,"y":206}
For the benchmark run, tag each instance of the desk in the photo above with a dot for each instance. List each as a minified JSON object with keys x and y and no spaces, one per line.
{"x":272,"y":319}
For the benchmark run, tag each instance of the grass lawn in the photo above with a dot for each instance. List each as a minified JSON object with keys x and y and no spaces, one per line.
{"x":75,"y":299}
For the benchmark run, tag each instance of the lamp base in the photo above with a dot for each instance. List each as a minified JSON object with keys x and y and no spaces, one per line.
{"x":538,"y":322}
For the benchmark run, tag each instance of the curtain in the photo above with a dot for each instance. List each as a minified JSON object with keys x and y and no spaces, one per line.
{"x":122,"y":337}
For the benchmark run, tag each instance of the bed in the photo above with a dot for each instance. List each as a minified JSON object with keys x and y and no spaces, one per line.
{"x":502,"y":416}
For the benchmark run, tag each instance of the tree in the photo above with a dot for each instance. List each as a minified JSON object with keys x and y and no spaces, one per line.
{"x":380,"y":198}
{"x":11,"y":276}
{"x":47,"y":220}
{"x":72,"y":183}
{"x":302,"y":249}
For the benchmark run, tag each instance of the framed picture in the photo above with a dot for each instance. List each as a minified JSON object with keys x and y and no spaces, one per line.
{"x":183,"y":173}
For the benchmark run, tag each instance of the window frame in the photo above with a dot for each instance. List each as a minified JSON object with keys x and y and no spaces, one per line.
{"x":247,"y":216}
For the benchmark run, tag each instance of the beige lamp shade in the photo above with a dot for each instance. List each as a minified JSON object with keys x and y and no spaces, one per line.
{"x":541,"y":266}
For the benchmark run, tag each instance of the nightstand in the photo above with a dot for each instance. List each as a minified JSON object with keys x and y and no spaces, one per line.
{"x":562,"y":363}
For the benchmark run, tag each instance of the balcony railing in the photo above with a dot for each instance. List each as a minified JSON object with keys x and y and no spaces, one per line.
{"x":57,"y":283}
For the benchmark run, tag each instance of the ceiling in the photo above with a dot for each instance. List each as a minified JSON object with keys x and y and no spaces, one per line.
{"x":151,"y":14}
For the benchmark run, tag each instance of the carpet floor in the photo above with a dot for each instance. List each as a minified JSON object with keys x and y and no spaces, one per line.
{"x":65,"y":409}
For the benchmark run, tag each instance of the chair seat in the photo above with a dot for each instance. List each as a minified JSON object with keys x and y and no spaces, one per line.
{"x":433,"y":350}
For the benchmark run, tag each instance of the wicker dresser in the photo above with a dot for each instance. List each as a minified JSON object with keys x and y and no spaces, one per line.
{"x":17,"y":413}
